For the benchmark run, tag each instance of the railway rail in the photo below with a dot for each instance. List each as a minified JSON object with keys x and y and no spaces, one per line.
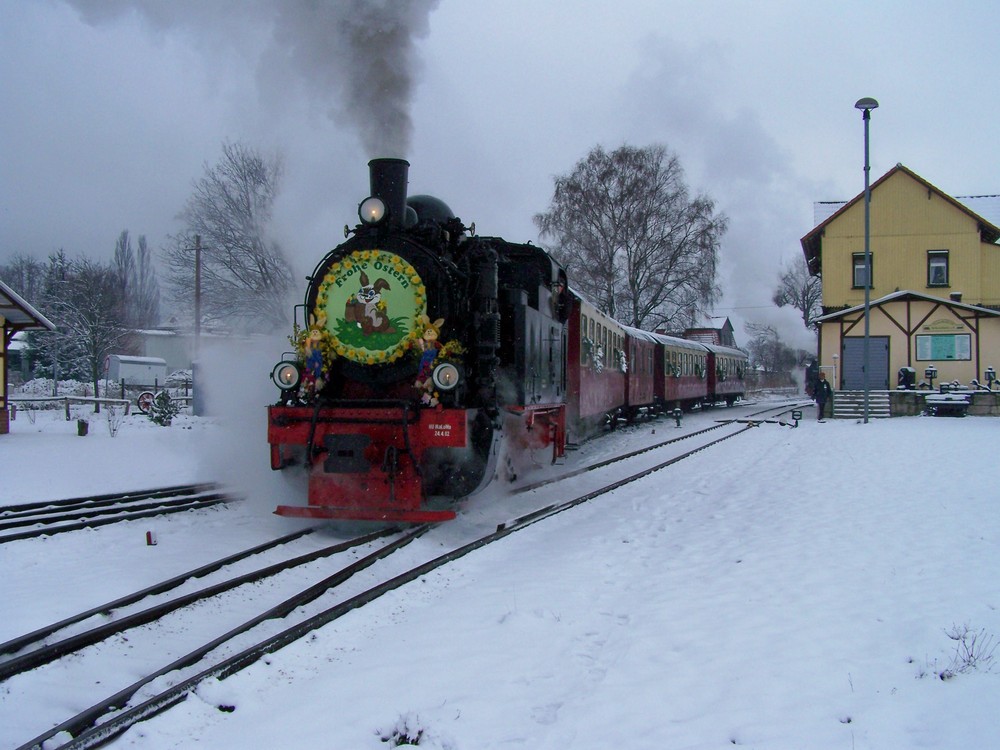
{"x":20,"y":678}
{"x":35,"y":649}
{"x":43,"y":518}
{"x":770,"y":414}
{"x":109,"y":718}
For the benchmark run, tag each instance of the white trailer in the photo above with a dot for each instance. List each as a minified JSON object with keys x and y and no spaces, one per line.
{"x":146,"y":371}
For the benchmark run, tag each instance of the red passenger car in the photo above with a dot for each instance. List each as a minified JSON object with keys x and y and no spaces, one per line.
{"x":595,"y":367}
{"x":640,"y":379}
{"x":727,"y":368}
{"x":681,"y":373}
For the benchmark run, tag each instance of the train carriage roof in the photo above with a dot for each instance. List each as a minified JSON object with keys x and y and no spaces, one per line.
{"x":664,"y":340}
{"x":679,"y":343}
{"x":718,"y":349}
{"x":641,"y":335}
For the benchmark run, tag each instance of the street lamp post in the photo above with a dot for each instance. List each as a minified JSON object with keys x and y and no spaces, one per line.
{"x":866,"y":106}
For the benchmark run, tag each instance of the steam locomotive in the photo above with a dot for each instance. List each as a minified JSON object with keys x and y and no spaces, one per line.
{"x":419,"y":340}
{"x":422,"y":346}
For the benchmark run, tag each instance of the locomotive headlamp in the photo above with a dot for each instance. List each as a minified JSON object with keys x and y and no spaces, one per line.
{"x":445,"y":376}
{"x":371,"y":210}
{"x":286,"y":375}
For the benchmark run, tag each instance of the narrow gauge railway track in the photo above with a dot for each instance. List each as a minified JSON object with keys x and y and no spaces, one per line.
{"x":37,"y":648}
{"x":21,"y":674}
{"x":43,"y":518}
{"x":774,"y":413}
{"x":100,"y":724}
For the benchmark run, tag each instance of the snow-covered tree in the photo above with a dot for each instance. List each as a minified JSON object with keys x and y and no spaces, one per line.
{"x":84,"y":300}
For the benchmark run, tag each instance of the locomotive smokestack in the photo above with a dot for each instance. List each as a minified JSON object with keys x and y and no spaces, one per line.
{"x":388,"y":182}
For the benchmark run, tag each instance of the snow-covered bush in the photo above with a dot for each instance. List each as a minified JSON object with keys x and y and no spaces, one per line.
{"x":178,"y":379}
{"x":41,"y":387}
{"x":406,"y":733}
{"x":163,"y":409}
{"x":410,"y":731}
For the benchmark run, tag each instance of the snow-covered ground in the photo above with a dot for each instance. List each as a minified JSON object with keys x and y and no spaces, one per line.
{"x":789,"y":588}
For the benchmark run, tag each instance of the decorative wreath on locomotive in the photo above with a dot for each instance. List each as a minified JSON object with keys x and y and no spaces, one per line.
{"x":418,"y":342}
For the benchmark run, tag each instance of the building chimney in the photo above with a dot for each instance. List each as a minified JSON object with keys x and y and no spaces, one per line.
{"x":388,"y":182}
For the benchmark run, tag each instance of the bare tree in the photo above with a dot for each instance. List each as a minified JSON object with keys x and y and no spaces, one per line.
{"x":244,"y":275}
{"x":140,"y":292}
{"x":770,"y":357}
{"x":25,"y":275}
{"x":633,"y":239}
{"x":798,"y":288}
{"x":124,"y":266}
{"x":145,"y":294}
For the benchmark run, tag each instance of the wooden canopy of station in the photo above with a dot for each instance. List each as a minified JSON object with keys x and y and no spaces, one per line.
{"x":16,"y":315}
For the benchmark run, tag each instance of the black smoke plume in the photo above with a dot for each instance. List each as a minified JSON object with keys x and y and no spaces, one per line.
{"x":356,"y":58}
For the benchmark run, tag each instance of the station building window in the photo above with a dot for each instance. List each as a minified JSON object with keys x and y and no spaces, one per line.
{"x":937,"y":268}
{"x":858,"y":262}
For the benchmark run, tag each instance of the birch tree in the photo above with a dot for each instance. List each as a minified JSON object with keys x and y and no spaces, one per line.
{"x":632,"y":237}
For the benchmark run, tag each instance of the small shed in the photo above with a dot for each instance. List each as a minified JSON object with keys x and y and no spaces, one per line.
{"x":136,"y":370}
{"x":15,"y":315}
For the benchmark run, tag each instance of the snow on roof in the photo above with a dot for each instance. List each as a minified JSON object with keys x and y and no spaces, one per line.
{"x":901,"y":295}
{"x":985,"y":206}
{"x":19,"y":314}
{"x":133,"y":360}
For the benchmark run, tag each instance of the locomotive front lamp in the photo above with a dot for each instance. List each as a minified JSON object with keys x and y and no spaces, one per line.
{"x":445,"y":376}
{"x":371,"y":210}
{"x":286,"y":375}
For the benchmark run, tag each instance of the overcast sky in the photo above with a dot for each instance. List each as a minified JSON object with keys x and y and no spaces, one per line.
{"x":109,"y":109}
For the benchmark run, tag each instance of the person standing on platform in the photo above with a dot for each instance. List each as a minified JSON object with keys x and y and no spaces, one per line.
{"x":823,"y":394}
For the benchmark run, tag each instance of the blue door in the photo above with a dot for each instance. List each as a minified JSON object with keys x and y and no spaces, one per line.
{"x":853,"y":363}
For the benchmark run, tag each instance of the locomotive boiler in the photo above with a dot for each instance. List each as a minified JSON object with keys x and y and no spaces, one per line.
{"x":418,"y":348}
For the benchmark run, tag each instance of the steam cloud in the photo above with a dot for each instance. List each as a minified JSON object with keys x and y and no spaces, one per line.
{"x":357,"y":57}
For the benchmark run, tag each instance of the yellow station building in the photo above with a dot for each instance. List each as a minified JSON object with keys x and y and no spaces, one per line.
{"x":935,"y":286}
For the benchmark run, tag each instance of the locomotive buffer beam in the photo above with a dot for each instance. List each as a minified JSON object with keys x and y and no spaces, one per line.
{"x":371,"y":469}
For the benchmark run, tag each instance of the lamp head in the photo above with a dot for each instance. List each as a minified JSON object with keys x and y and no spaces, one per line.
{"x":866,"y":105}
